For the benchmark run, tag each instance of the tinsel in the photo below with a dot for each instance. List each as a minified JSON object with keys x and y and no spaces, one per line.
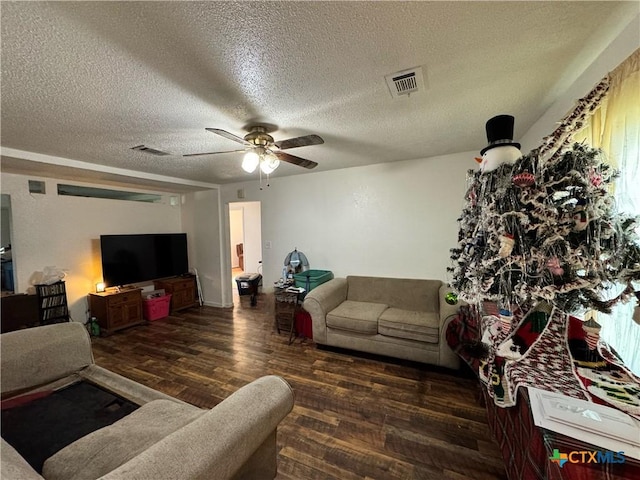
{"x":560,"y":138}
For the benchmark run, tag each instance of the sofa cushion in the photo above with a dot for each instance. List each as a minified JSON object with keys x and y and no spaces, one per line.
{"x":361,"y":317}
{"x":421,"y":326}
{"x":104,"y":450}
{"x":407,"y":293}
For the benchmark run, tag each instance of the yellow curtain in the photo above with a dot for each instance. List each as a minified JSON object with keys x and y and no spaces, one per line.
{"x":615,"y":128}
{"x":615,"y":125}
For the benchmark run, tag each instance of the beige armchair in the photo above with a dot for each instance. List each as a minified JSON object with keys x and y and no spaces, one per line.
{"x":164,"y":438}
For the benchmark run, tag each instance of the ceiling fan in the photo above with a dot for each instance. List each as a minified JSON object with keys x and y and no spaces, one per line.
{"x":263,"y":151}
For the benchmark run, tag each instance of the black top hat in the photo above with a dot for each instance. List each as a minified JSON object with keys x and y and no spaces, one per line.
{"x":499,"y":132}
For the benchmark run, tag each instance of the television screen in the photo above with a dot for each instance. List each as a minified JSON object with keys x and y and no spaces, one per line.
{"x":137,"y":258}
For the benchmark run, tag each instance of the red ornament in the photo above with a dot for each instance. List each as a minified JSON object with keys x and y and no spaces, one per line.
{"x":524,"y":179}
{"x":553,"y":264}
{"x":595,"y":178}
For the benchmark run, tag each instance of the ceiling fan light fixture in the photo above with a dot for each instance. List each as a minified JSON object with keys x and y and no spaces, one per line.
{"x":250,"y":161}
{"x":269,"y":163}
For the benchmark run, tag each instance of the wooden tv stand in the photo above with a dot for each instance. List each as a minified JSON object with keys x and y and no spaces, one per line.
{"x":182,"y":289}
{"x":116,"y":310}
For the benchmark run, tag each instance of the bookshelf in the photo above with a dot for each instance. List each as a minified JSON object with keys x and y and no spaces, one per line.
{"x":52,"y":303}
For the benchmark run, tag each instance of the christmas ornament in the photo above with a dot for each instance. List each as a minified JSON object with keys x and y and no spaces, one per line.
{"x":524,"y":179}
{"x":501,"y":149}
{"x":451,"y":298}
{"x":473,"y":198}
{"x":505,"y":319}
{"x":553,"y":264}
{"x":595,"y":178}
{"x":580,"y":217}
{"x":592,"y":332}
{"x":506,"y":245}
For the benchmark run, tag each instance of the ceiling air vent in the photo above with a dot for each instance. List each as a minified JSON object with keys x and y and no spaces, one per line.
{"x":405,"y":82}
{"x":152,"y":151}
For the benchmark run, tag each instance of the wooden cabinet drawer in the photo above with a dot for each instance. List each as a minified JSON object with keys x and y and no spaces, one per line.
{"x":129,"y":297}
{"x":183,"y":284}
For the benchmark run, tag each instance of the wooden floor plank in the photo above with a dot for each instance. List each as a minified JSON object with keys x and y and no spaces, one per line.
{"x":356,"y":416}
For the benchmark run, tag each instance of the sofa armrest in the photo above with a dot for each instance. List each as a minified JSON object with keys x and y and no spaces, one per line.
{"x":219,"y":443}
{"x":13,"y":465}
{"x":320,"y":301}
{"x":35,"y":356}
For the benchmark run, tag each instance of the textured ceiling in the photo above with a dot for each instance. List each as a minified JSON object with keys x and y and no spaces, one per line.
{"x":86,"y":81}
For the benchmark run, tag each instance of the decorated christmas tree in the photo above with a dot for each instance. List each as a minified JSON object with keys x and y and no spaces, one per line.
{"x":539,"y":246}
{"x":543,"y":230}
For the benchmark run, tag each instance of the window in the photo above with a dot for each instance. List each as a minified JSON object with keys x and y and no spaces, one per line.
{"x":93,"y":192}
{"x":615,"y":127}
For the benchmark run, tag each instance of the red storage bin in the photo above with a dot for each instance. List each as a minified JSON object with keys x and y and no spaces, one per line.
{"x":156,"y":308}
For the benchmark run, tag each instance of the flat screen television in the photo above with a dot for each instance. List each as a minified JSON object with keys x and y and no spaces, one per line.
{"x":128,"y":259}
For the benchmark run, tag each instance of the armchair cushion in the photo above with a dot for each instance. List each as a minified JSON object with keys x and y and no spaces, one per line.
{"x":104,"y":450}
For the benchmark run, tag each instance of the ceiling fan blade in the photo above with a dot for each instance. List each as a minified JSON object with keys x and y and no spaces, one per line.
{"x":210,"y":153}
{"x":299,"y":142}
{"x":230,"y":136}
{"x":301,"y":162}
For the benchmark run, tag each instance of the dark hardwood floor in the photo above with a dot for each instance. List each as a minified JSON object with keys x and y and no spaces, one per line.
{"x":355,"y":416}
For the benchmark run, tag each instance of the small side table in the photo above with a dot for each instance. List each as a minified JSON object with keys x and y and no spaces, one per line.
{"x":286,"y":307}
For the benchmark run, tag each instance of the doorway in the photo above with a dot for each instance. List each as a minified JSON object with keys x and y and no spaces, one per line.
{"x":245,"y":238}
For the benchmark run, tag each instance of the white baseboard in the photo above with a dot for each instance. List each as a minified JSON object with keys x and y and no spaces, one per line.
{"x":218,"y":305}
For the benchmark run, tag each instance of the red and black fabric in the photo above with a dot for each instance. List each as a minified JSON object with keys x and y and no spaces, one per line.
{"x":603,"y":376}
{"x":463,"y":333}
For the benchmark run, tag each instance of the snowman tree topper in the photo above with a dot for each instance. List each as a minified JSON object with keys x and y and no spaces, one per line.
{"x":501,"y":148}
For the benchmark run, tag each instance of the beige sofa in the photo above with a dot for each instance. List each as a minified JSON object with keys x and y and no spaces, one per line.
{"x":164,"y":438}
{"x":403,"y":318}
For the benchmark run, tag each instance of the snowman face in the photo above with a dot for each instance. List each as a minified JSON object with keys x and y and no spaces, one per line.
{"x":494,"y":157}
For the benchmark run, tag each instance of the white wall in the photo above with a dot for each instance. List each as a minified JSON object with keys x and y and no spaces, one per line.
{"x":201,"y":213}
{"x":63,"y":231}
{"x":394,"y":219}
